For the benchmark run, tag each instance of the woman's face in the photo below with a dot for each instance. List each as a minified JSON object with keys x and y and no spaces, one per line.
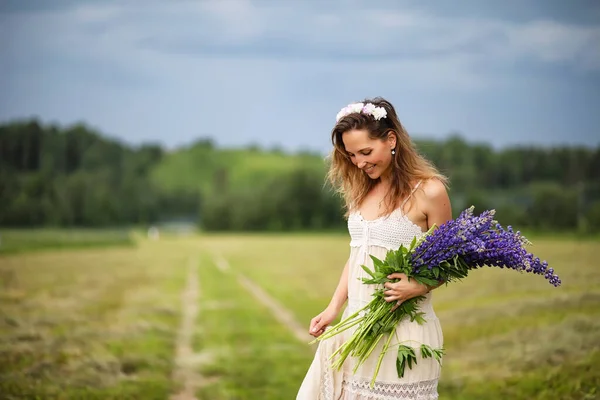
{"x":373,"y":156}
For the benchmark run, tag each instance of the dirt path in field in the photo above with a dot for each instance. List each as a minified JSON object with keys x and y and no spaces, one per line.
{"x":281,"y":314}
{"x":185,"y":359}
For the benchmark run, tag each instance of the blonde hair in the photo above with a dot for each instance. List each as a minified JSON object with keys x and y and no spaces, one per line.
{"x":408,"y":166}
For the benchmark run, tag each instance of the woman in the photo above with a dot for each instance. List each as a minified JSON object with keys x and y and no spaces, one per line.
{"x":392,"y":194}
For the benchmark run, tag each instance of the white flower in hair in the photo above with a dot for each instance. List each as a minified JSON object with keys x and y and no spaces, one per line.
{"x":357,"y":108}
{"x":368,"y":109}
{"x":378,"y":113}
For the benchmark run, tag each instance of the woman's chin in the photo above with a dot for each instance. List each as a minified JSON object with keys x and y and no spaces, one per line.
{"x":372,"y":174}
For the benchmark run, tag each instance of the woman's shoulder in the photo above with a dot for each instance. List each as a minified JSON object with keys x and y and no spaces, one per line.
{"x":433,"y":189}
{"x":435,"y":202}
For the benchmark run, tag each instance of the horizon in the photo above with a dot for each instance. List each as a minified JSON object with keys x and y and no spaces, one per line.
{"x":277,"y":149}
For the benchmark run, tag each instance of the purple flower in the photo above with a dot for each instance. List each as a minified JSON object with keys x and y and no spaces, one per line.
{"x":473,"y":242}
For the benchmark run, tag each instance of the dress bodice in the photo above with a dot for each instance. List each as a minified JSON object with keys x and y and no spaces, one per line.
{"x":375,"y":238}
{"x":389,"y":231}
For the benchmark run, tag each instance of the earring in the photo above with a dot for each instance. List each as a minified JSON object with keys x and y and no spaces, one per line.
{"x":393,"y":152}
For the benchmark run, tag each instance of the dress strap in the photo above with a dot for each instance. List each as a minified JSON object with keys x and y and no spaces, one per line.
{"x":411,"y":193}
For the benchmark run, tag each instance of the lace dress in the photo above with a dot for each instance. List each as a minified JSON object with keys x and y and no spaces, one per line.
{"x":376,"y":237}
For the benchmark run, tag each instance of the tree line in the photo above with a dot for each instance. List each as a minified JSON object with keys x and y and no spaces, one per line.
{"x":75,"y":176}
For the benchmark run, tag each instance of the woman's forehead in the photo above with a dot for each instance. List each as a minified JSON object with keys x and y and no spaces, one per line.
{"x":357,"y":140}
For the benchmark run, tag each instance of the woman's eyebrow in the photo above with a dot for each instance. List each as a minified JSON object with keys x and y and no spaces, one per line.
{"x":366,"y":148}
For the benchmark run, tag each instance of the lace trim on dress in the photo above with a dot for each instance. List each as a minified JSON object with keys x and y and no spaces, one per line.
{"x":327,"y":380}
{"x":359,"y":387}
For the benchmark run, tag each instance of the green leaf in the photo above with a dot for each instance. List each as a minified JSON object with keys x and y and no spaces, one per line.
{"x":392,"y":259}
{"x":387,"y":269}
{"x":400,"y":365}
{"x":376,"y":261}
{"x":411,"y":358}
{"x":418,"y":317}
{"x":438,"y":353}
{"x":400,"y":261}
{"x":405,"y":354}
{"x":426,"y":351}
{"x":427,"y":281}
{"x":367,"y":270}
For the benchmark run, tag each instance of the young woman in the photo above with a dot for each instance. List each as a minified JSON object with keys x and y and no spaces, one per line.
{"x":392,"y":194}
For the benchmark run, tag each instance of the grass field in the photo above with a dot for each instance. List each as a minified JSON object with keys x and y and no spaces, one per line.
{"x":26,"y":240}
{"x":105,"y":323}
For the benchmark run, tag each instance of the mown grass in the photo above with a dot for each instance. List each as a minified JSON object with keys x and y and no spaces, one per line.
{"x":301,"y":271}
{"x":101,"y":323}
{"x":93,"y":324}
{"x":250,"y":355}
{"x":26,"y":240}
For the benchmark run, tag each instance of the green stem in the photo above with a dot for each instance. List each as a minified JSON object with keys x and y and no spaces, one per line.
{"x":380,"y":359}
{"x":368,"y":353}
{"x":337,"y":328}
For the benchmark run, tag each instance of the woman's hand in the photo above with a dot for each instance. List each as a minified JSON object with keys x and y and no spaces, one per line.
{"x":321,"y":321}
{"x":403,"y":289}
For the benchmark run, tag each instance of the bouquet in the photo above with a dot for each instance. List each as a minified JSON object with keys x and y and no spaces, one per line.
{"x":442,"y":255}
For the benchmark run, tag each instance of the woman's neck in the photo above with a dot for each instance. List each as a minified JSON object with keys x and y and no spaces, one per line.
{"x":386,"y":179}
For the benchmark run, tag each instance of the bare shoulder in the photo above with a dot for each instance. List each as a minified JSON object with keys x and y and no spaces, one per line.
{"x":437,"y":206}
{"x":434,"y":189}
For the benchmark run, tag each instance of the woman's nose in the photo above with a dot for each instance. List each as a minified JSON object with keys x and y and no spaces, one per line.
{"x":361,"y":164}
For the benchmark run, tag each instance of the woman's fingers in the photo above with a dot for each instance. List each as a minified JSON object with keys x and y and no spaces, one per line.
{"x":315,"y":327}
{"x":391,"y":291}
{"x":315,"y":333}
{"x":397,"y":275}
{"x":313,"y":324}
{"x":391,"y":298}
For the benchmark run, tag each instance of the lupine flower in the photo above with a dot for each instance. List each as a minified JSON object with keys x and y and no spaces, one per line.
{"x":478,"y":241}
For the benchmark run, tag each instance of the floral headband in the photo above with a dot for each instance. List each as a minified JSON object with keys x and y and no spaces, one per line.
{"x":368,"y":109}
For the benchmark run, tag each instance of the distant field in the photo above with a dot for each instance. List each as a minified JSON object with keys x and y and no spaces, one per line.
{"x":104,"y":322}
{"x":27,"y":240}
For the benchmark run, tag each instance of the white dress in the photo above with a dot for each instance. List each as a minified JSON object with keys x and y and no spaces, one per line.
{"x":376,"y":237}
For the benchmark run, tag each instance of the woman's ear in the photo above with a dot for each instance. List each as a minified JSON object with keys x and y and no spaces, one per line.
{"x":391,"y":140}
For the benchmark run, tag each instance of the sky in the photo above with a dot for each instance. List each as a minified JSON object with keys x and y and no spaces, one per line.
{"x":274,"y":73}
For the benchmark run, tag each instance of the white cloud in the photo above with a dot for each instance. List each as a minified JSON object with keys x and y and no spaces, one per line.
{"x":240,"y":20}
{"x":94,"y":12}
{"x":551,"y":42}
{"x":546,"y":41}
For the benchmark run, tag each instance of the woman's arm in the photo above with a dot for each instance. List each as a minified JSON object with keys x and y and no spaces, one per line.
{"x":321,"y":321}
{"x":341,"y":292}
{"x":435,"y":204}
{"x":437,"y":208}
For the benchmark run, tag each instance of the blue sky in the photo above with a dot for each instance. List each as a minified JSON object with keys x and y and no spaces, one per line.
{"x":275,"y":73}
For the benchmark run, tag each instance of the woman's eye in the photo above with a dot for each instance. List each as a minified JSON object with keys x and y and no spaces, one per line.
{"x":366,"y":154}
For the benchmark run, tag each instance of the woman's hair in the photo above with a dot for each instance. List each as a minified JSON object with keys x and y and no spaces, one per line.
{"x":408,"y":166}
